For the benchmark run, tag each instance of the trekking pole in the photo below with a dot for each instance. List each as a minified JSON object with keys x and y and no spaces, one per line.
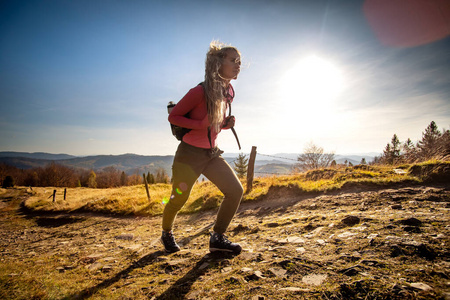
{"x":232,"y":128}
{"x":235,"y":135}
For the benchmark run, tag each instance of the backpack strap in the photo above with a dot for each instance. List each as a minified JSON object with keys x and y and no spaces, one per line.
{"x":209,"y":136}
{"x":229,"y":114}
{"x":209,"y":127}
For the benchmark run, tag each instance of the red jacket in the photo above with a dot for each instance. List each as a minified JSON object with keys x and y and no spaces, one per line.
{"x":194,"y":103}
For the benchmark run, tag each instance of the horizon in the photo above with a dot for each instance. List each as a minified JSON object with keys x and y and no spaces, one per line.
{"x":90,"y":77}
{"x":370,"y":154}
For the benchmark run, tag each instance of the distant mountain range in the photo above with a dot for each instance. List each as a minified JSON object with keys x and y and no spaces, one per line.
{"x":265,"y":165}
{"x":130,"y":163}
{"x":37,"y":155}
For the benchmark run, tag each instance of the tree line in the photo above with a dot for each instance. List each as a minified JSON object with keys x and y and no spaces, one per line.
{"x":58,"y":175}
{"x":435,"y":144}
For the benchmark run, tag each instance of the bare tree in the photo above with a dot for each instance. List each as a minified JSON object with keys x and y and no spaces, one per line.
{"x":135,"y":179}
{"x":108,"y":177}
{"x":57,"y":175}
{"x":15,"y":173}
{"x":314,"y":157}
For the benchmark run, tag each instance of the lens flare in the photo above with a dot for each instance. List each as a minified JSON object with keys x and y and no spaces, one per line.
{"x":165,"y":200}
{"x":179,"y":192}
{"x":183,"y":186}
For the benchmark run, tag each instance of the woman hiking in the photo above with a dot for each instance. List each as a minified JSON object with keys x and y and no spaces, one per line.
{"x":203,"y":110}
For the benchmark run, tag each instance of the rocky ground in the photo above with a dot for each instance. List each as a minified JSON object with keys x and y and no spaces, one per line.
{"x":390,"y":243}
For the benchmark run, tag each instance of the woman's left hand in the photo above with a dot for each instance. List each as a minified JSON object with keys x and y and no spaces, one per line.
{"x":229,"y":122}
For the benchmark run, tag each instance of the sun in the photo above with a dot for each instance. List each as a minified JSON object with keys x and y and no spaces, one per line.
{"x":311,"y":83}
{"x":309,"y":92}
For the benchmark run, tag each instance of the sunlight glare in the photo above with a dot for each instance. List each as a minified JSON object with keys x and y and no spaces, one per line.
{"x":312,"y":82}
{"x":310,"y":89}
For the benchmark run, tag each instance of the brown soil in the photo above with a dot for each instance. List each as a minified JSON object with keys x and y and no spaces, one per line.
{"x":390,"y":243}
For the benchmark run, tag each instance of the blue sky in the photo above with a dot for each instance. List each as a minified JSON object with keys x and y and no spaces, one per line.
{"x":94,"y":77}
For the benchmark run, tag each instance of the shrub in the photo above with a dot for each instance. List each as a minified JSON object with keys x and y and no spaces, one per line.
{"x":8,"y":182}
{"x":320,"y":174}
{"x":432,"y":171}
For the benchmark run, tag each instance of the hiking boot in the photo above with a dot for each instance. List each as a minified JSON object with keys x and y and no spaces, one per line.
{"x":169,"y":243}
{"x":219,"y":242}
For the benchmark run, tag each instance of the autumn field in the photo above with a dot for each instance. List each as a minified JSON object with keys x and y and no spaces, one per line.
{"x":362,"y":232}
{"x":132,"y":200}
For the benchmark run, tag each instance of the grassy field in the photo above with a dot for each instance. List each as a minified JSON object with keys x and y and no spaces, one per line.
{"x":353,"y":233}
{"x":133,"y":200}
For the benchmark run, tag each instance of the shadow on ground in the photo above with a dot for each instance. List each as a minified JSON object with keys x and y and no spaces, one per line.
{"x":144,"y":261}
{"x":176,"y":291}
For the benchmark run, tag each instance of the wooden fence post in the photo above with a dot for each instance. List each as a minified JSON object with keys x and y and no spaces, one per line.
{"x":65,"y":193}
{"x":251,"y":170}
{"x":146,"y":187}
{"x":54,"y":195}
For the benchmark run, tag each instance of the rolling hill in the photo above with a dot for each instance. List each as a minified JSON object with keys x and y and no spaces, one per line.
{"x":265,"y":165}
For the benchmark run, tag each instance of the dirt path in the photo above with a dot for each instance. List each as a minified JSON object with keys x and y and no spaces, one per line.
{"x":388,"y":243}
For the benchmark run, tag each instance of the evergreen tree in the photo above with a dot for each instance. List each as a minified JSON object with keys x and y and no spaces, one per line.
{"x":161,"y":176}
{"x":151,"y":178}
{"x":428,"y":146}
{"x":92,"y":182}
{"x":391,"y":153}
{"x":434,"y":144}
{"x":241,"y":165}
{"x":123,"y":179}
{"x":387,"y":154}
{"x":363,"y":161}
{"x":409,"y":151}
{"x":395,"y":147}
{"x":333,"y":164}
{"x":444,"y":143}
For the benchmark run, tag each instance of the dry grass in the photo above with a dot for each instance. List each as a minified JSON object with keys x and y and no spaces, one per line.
{"x":123,"y":200}
{"x":132,"y":200}
{"x":67,"y":256}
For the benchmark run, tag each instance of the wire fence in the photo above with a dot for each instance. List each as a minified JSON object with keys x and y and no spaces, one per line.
{"x":279,"y":157}
{"x":270,"y":172}
{"x":275,"y":173}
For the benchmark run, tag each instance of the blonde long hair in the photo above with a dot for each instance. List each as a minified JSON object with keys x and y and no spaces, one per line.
{"x":215,"y":84}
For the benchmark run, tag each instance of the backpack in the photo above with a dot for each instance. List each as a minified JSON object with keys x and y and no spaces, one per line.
{"x":179,"y":132}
